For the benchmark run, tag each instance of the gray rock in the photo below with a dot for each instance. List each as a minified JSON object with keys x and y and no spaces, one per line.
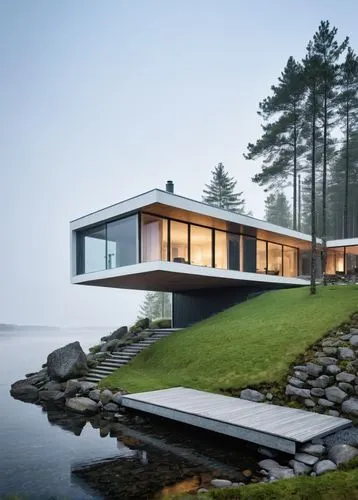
{"x":106,"y":396}
{"x":118,"y":334}
{"x":117,"y":398}
{"x":336,"y":394}
{"x":300,"y":368}
{"x":325,"y":403}
{"x":333,"y":413}
{"x":67,"y":362}
{"x":326,"y":361}
{"x":313,"y":369}
{"x":55,"y":397}
{"x":95,"y":395}
{"x":342,"y":453}
{"x":306,"y":459}
{"x":54,"y":386}
{"x":24,"y":391}
{"x":322,"y":382}
{"x":299,"y":468}
{"x":275,"y":469}
{"x":354,"y":340}
{"x":202,"y":490}
{"x":252,"y":395}
{"x":345,"y":337}
{"x":316,"y":450}
{"x":110,"y":346}
{"x":221,"y":483}
{"x":269,"y":396}
{"x":320,"y":354}
{"x":309,"y":403}
{"x":300,"y":375}
{"x":324,"y":466}
{"x":353,"y":331}
{"x":330,"y":351}
{"x":345,"y":436}
{"x":330,"y":342}
{"x":350,"y":407}
{"x":295,"y":391}
{"x":333,"y":369}
{"x":111,"y":407}
{"x":317,"y":392}
{"x":345,"y":377}
{"x":345,"y":353}
{"x":348,"y":388}
{"x":296,"y":382}
{"x":82,"y":405}
{"x":72,"y":388}
{"x":86,"y":387}
{"x":267,"y":452}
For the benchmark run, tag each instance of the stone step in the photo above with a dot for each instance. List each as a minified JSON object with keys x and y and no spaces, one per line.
{"x":111,"y":365}
{"x":103,"y":371}
{"x":93,"y":379}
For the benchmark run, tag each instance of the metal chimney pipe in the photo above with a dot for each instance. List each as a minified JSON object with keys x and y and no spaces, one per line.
{"x":169,"y":187}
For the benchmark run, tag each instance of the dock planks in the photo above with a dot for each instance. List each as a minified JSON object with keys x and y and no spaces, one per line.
{"x":265,"y":424}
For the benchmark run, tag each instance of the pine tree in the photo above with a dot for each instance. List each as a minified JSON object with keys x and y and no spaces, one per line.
{"x":155,"y":305}
{"x":220,"y":192}
{"x":280,"y":145}
{"x":278,"y":210}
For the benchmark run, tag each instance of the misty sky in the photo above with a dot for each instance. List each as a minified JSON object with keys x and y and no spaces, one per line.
{"x":103,"y":100}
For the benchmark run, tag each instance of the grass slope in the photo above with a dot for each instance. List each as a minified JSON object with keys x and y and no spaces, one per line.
{"x":251,"y":343}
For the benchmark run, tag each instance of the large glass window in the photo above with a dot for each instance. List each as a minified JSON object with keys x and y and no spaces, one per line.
{"x":154,"y":238}
{"x":249,"y":254}
{"x":261,"y":264}
{"x":221,"y":250}
{"x":234,"y":251}
{"x":331,"y":262}
{"x":274,"y":259}
{"x":289,"y":261}
{"x":201,"y":246}
{"x":122,"y":242}
{"x":352,"y":260}
{"x":178,"y":242}
{"x":340,"y":261}
{"x":91,"y":250}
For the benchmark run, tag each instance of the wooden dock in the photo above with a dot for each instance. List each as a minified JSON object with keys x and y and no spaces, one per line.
{"x":265,"y":424}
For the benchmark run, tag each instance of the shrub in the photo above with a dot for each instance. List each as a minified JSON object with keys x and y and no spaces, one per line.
{"x":161,"y":323}
{"x":139,"y":326}
{"x":94,"y":349}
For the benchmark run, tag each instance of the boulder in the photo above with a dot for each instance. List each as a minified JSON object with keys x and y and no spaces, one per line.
{"x":110,"y":346}
{"x":354,"y":340}
{"x":38,"y":379}
{"x":350,"y":407}
{"x":82,"y":405}
{"x":275,"y":469}
{"x":267,"y":452}
{"x":86,"y":387}
{"x":117,"y":398}
{"x":335,"y":394}
{"x":330,"y":351}
{"x":325,"y":403}
{"x":111,"y":407}
{"x":313,"y":369}
{"x":221,"y":483}
{"x":317,"y":392}
{"x":300,"y":375}
{"x":306,"y":459}
{"x":67,"y":362}
{"x":316,"y":450}
{"x":332,"y":369}
{"x":342,"y":453}
{"x":346,"y":337}
{"x":119,"y":333}
{"x":309,"y":403}
{"x":333,"y":413}
{"x":24,"y":391}
{"x":55,"y":397}
{"x":54,"y":386}
{"x":73,"y":387}
{"x":251,"y":395}
{"x":295,"y":391}
{"x":345,"y":377}
{"x":95,"y":395}
{"x":330,"y":342}
{"x":324,"y":466}
{"x":106,"y":396}
{"x":299,"y":468}
{"x":322,"y":382}
{"x":326,"y":361}
{"x":296,"y":382}
{"x":345,"y":353}
{"x":348,"y":388}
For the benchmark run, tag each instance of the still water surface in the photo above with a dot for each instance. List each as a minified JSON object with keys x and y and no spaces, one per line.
{"x":38,"y":448}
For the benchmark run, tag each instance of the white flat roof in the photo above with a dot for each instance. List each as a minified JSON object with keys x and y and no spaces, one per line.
{"x":348,"y":242}
{"x":180,"y":202}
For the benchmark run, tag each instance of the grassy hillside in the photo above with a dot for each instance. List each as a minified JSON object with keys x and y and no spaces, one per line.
{"x":248,"y":344}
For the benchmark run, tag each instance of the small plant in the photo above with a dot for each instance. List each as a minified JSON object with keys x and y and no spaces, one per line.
{"x":95,"y":349}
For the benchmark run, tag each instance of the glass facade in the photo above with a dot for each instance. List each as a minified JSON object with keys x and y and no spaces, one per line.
{"x":342,"y":260}
{"x":116,"y":243}
{"x":107,"y":246}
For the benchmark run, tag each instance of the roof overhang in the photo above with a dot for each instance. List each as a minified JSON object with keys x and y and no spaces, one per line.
{"x":174,"y":277}
{"x":347,"y":242}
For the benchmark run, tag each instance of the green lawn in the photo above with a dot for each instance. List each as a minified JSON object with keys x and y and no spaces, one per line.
{"x":248,"y":344}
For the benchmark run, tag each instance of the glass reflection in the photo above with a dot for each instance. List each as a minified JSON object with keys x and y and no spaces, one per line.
{"x":274,"y":259}
{"x":200,"y":246}
{"x":154,"y":238}
{"x":179,"y":242}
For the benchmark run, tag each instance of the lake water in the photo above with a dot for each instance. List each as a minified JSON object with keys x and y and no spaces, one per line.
{"x":39,"y":449}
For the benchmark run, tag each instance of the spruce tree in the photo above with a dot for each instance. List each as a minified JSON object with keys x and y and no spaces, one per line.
{"x":220,"y":192}
{"x":155,"y":305}
{"x":278,"y":210}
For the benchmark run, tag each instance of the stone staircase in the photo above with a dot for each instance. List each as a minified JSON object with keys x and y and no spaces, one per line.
{"x":120,"y":358}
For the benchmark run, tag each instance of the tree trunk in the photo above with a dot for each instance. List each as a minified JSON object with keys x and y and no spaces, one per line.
{"x":324,"y":188}
{"x":295,"y":171}
{"x":346,"y":178}
{"x":313,"y":194}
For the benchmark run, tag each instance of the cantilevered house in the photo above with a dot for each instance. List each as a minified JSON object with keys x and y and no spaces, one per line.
{"x":209,"y":258}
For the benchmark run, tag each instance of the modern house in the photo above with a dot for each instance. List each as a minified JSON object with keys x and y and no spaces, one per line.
{"x":209,"y":258}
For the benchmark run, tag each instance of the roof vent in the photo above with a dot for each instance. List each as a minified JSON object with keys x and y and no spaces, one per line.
{"x":169,"y":187}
